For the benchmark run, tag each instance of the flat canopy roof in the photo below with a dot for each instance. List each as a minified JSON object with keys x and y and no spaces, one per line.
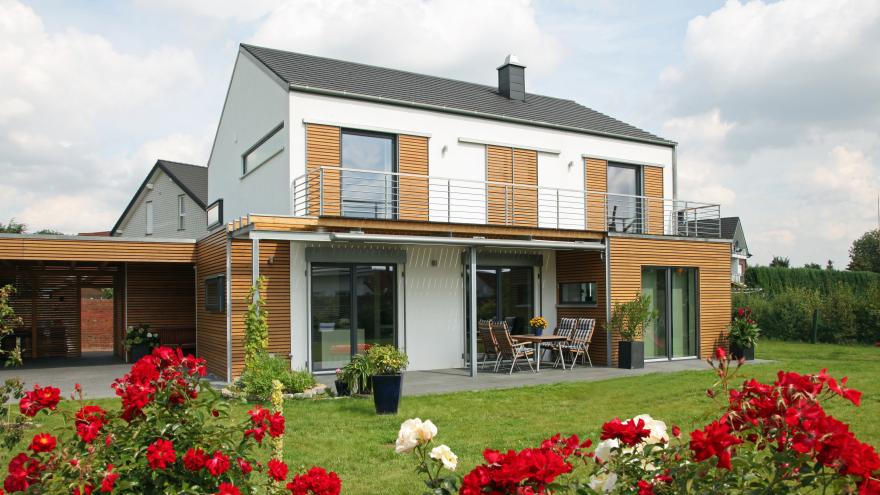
{"x":35,"y":247}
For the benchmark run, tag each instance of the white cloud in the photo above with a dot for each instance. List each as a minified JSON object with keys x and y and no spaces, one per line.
{"x":778,"y":102}
{"x":71,"y":102}
{"x":454,"y":38}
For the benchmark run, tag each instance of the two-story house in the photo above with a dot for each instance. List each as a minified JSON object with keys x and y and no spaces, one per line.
{"x":384,"y":206}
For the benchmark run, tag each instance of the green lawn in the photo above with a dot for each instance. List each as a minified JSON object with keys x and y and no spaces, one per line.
{"x":346,"y":436}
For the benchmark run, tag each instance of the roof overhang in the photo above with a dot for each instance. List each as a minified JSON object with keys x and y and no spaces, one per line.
{"x":30,"y":247}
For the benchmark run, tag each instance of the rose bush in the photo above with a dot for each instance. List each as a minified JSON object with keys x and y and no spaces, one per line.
{"x":767,"y":438}
{"x":171,"y":434}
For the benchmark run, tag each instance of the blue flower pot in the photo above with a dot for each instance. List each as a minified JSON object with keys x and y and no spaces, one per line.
{"x":386,"y":393}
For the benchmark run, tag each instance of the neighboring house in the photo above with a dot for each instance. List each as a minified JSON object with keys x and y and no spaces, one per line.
{"x":387,"y":207}
{"x":731,"y":228}
{"x":170,"y":203}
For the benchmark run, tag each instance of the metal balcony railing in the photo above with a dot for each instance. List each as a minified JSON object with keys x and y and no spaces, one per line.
{"x":359,"y":193}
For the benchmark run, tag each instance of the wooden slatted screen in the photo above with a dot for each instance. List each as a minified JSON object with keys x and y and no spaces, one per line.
{"x":499,"y":168}
{"x":596,"y":181}
{"x":653,"y":179}
{"x":211,"y":328}
{"x":323,"y":150}
{"x":577,"y":267}
{"x":164,"y":297}
{"x":525,"y":199}
{"x":413,"y":191}
{"x":94,"y":249}
{"x":712,"y":260}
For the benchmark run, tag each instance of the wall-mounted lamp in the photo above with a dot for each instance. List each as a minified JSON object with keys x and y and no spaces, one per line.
{"x":444,"y":149}
{"x":570,"y":164}
{"x":271,"y":259}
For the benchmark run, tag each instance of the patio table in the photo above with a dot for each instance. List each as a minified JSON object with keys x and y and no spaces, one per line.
{"x":538,"y":340}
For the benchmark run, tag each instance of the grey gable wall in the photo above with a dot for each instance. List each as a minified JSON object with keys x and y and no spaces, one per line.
{"x":164,"y":197}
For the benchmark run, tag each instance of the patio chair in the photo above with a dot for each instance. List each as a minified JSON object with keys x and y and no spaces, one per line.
{"x":490,"y":346}
{"x":579,"y":343}
{"x":565,"y":328}
{"x":508,"y":350}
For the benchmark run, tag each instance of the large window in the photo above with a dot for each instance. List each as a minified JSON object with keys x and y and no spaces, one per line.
{"x":369,"y":185}
{"x":268,"y":147}
{"x":624,"y":207}
{"x":506,"y":293}
{"x":353,"y":305}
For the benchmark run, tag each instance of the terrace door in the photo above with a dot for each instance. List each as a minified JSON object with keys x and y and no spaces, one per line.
{"x":369,"y":183}
{"x":673,"y":293}
{"x":506,"y":293}
{"x":353,"y":306}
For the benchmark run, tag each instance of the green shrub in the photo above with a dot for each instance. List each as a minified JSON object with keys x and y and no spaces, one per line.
{"x":774,"y":280}
{"x":256,"y":381}
{"x":837,"y":315}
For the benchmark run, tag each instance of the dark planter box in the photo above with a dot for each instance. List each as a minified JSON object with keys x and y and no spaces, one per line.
{"x":748,"y":353}
{"x":538,"y":331}
{"x":630,"y":355}
{"x":386,"y":393}
{"x":342,"y":389}
{"x":138,"y":351}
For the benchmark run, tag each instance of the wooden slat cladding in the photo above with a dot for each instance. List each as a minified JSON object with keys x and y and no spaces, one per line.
{"x":499,"y":168}
{"x":712,"y":260}
{"x":582,"y":266}
{"x":164,"y":297}
{"x":525,"y":199}
{"x":596,"y":181}
{"x":277,"y":296}
{"x":653,"y":181}
{"x":211,"y":331}
{"x":413,"y":195}
{"x":323,"y":150}
{"x":94,"y":249}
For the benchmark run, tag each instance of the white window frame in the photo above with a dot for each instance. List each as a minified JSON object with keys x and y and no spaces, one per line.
{"x":151,"y":217}
{"x":181,"y":212}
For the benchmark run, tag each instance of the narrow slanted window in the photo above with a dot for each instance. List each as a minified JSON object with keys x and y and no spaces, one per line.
{"x":181,"y":212}
{"x":149,"y":218}
{"x":264,"y":150}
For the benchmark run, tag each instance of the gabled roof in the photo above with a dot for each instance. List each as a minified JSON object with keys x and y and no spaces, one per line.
{"x":309,"y":73}
{"x":728,"y":227}
{"x":193,"y":179}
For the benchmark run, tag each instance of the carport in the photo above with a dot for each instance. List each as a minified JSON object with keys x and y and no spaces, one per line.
{"x":150,"y":281}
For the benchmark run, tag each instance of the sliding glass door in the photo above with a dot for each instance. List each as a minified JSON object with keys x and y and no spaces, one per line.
{"x":369,"y":185}
{"x":506,"y":293}
{"x":673,"y":293}
{"x":353,"y":305}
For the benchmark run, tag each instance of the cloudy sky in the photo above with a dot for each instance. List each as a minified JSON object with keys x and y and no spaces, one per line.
{"x":776,"y":105}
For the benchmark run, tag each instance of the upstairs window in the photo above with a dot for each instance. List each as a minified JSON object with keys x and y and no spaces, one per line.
{"x":369,"y":163}
{"x":181,"y":212}
{"x":149,"y":218}
{"x":215,"y":213}
{"x":268,"y":147}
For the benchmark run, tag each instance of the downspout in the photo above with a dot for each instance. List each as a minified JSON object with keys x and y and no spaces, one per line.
{"x":472,"y":295}
{"x":228,"y":309}
{"x":608,"y":343}
{"x":674,"y":174}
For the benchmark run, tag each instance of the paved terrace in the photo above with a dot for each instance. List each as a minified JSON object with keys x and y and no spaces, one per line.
{"x":96,"y":371}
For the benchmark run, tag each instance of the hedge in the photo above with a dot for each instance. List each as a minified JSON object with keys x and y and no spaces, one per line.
{"x":774,"y":280}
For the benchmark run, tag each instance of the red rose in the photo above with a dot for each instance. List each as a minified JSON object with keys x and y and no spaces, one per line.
{"x":720,"y":354}
{"x":276,"y":425}
{"x":740,"y":312}
{"x":277,"y":469}
{"x":161,"y":454}
{"x":645,"y":488}
{"x":630,"y":433}
{"x":38,"y":399}
{"x":227,"y":489}
{"x":43,"y":442}
{"x":109,"y":480}
{"x":217,"y":464}
{"x":714,"y":440}
{"x":676,"y":431}
{"x":244,"y":466}
{"x":316,"y":481}
{"x":194,"y":459}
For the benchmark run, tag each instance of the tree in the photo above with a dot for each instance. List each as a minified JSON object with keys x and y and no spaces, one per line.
{"x":864,"y":255}
{"x":829,"y":265}
{"x":12,"y":227}
{"x":49,"y":232}
{"x":780,"y":262}
{"x":813,"y":266}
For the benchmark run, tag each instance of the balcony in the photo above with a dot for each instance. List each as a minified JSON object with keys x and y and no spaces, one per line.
{"x":357,"y":193}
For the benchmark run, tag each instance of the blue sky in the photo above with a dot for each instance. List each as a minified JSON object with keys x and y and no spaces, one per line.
{"x":775,"y":105}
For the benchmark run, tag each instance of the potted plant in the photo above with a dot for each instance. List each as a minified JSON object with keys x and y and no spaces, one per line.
{"x":342,"y":389}
{"x":743,"y":334}
{"x":628,"y":320}
{"x":388,"y":362}
{"x":356,"y":375}
{"x":140,"y":341}
{"x":538,"y":325}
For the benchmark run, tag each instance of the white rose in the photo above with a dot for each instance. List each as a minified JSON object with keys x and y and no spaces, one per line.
{"x":603,"y":451}
{"x":427,"y":431}
{"x":603,"y":482}
{"x":656,"y":427}
{"x":407,"y":437}
{"x":446,"y":456}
